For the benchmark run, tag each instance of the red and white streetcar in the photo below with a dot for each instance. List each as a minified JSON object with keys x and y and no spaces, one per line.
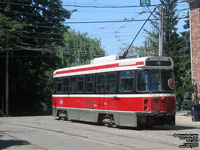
{"x":129,"y":92}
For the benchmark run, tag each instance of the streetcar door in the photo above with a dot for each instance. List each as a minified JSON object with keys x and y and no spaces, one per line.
{"x":101,"y":89}
{"x":111,"y":100}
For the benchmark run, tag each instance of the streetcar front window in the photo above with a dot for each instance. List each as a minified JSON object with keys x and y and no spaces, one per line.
{"x":155,"y":80}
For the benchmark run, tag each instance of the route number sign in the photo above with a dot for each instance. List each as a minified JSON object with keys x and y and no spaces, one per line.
{"x":145,"y":3}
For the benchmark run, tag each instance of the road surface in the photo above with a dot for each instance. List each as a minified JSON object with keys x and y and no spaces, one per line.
{"x":46,"y":133}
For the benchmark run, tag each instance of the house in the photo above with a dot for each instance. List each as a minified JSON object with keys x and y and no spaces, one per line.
{"x":195,"y":42}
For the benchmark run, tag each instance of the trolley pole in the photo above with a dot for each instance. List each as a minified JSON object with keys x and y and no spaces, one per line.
{"x":161,"y":30}
{"x":7,"y":83}
{"x":2,"y":108}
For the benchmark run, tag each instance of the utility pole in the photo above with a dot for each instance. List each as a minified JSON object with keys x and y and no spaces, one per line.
{"x":7,"y":83}
{"x":2,"y":108}
{"x":161,"y":20}
{"x":145,"y":48}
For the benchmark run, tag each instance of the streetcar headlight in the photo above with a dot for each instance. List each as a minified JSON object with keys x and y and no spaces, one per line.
{"x":145,"y":104}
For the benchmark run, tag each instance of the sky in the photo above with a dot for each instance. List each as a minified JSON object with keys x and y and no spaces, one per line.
{"x":114,"y":35}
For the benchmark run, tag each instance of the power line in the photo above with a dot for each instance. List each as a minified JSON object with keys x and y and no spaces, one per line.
{"x":49,"y":49}
{"x":126,"y":52}
{"x":80,"y":22}
{"x":113,"y":21}
{"x":88,"y":6}
{"x":90,"y":11}
{"x":20,"y":12}
{"x":2,"y":29}
{"x":107,"y":21}
{"x":130,"y":6}
{"x":32,"y":25}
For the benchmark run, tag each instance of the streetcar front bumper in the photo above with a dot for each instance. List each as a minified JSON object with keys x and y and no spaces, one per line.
{"x":155,"y":118}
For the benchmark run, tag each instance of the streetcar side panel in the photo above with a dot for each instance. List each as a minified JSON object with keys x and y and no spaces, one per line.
{"x":104,"y":99}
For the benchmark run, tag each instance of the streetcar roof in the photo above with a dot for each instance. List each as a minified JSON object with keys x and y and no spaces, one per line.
{"x":113,"y":63}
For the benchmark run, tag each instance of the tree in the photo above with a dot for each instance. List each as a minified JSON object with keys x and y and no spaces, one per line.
{"x":185,"y":50}
{"x":178,"y":48}
{"x":134,"y":51}
{"x":175,"y":46}
{"x":33,"y":31}
{"x":38,"y":44}
{"x":171,"y":37}
{"x":79,"y":49}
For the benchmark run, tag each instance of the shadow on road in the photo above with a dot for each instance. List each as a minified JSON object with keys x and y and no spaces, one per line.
{"x":8,"y":143}
{"x":162,"y":127}
{"x":169,"y":127}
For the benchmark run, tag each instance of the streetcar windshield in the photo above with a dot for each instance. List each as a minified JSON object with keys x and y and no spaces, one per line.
{"x":156,"y":81}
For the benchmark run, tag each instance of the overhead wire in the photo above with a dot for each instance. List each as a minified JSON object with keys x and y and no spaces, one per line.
{"x":73,"y":5}
{"x":88,"y":22}
{"x":25,"y":13}
{"x":39,"y":48}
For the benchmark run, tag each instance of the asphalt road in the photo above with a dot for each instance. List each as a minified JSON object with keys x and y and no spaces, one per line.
{"x":46,"y":133}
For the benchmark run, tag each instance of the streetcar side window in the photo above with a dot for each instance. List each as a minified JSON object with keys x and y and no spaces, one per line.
{"x":80,"y":84}
{"x":65,"y":85}
{"x":111,"y":82}
{"x":59,"y":85}
{"x":143,"y":81}
{"x":100,"y":83}
{"x":54,"y":86}
{"x":73,"y":85}
{"x":127,"y":81}
{"x":90,"y":83}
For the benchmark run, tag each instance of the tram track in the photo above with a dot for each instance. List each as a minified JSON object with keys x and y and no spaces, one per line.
{"x":130,"y":137}
{"x":26,"y":143}
{"x":87,"y":138}
{"x":67,"y":135}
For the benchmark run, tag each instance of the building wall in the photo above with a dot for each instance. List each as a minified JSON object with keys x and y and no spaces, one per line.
{"x":195,"y":41}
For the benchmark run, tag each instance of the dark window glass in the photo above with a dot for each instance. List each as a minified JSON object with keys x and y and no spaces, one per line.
{"x":65,"y":85}
{"x":167,"y":75}
{"x":59,"y":85}
{"x":155,"y":80}
{"x":166,"y":63}
{"x":54,"y":86}
{"x":73,"y":85}
{"x":127,"y":81}
{"x":90,"y":83}
{"x":149,"y":80}
{"x":100,"y":83}
{"x":158,"y":63}
{"x":111,"y":82}
{"x":81,"y":83}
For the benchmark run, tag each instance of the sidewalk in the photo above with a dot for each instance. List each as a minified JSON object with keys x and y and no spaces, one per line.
{"x":182,"y":113}
{"x":182,"y":117}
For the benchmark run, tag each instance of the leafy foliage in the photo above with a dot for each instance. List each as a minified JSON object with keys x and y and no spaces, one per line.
{"x":185,"y":51}
{"x":175,"y":46}
{"x":133,"y":51}
{"x":38,"y":43}
{"x":79,"y":49}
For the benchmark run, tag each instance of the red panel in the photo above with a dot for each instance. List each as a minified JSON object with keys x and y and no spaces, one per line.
{"x":98,"y":67}
{"x":167,"y":104}
{"x":116,"y":103}
{"x":88,"y":68}
{"x":155,"y":104}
